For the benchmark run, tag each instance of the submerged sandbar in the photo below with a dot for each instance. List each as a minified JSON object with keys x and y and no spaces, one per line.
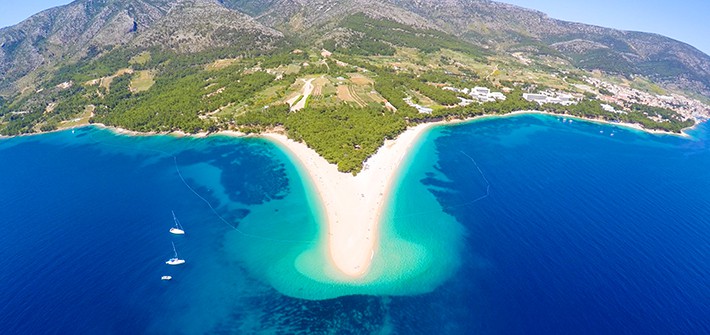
{"x":353,"y":204}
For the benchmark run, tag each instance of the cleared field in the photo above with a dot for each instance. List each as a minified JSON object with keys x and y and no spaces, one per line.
{"x":345,"y":95}
{"x":423,"y":100}
{"x":327,"y":91}
{"x":141,"y":58}
{"x":271,"y":95}
{"x":359,"y":94}
{"x":319,"y":84}
{"x":362,"y":90}
{"x":80,"y":120}
{"x":359,"y":79}
{"x":292,"y":69}
{"x":293,"y":92}
{"x":317,"y":91}
{"x":221,"y":64}
{"x":408,"y":53}
{"x":142,"y":81}
{"x":376,"y":97}
{"x":106,"y":81}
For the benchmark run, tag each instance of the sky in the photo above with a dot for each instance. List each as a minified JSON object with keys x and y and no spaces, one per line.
{"x":15,"y":11}
{"x":684,"y":20}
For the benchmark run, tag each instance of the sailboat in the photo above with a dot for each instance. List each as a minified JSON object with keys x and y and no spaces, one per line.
{"x":175,"y":260}
{"x":177,"y":230}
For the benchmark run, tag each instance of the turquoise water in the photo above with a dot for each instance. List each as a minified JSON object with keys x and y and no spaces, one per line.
{"x":516,"y":225}
{"x":409,"y":259}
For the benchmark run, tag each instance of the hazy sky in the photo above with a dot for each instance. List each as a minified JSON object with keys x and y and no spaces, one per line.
{"x":14,"y":11}
{"x":684,"y":20}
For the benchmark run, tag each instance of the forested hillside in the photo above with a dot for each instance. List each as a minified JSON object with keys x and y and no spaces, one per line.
{"x":341,"y":76}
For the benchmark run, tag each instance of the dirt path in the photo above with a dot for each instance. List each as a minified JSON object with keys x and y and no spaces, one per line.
{"x":307,"y":90}
{"x":492,"y":72}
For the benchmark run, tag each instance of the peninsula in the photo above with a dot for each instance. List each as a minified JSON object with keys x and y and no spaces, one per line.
{"x":353,"y":204}
{"x":343,"y":83}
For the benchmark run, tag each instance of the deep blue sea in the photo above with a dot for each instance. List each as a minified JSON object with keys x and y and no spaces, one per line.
{"x":565,"y":229}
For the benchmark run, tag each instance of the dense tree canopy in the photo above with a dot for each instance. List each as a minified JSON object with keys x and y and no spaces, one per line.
{"x":192,"y":93}
{"x":345,"y":136}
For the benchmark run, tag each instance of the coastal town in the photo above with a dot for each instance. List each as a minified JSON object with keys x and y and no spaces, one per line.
{"x":625,"y":97}
{"x":614,"y":98}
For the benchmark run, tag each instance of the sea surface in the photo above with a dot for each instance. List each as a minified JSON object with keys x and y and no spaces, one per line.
{"x":520,"y":225}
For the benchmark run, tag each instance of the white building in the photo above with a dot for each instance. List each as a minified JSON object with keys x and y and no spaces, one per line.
{"x":483,"y":91}
{"x":540,"y":98}
{"x":480,"y":94}
{"x":484,"y":94}
{"x":611,"y":109}
{"x":497,"y":96}
{"x":564,"y":97}
{"x":536,"y":97}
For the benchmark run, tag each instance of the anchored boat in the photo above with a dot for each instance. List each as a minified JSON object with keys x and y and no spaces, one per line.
{"x":177,"y":229}
{"x":175,"y":260}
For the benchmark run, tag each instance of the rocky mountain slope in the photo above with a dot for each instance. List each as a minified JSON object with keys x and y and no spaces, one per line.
{"x":86,"y":28}
{"x":507,"y":28}
{"x":198,"y":25}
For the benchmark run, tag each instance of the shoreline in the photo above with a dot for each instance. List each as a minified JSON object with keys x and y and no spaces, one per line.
{"x":233,"y":133}
{"x":353,"y":205}
{"x":635,"y":126}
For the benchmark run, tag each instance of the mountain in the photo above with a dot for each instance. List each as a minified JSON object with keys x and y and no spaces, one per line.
{"x":198,"y":25}
{"x":86,"y":28}
{"x":508,"y":28}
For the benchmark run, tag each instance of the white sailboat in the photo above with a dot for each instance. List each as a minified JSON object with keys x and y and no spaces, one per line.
{"x":175,"y":260}
{"x":177,"y":230}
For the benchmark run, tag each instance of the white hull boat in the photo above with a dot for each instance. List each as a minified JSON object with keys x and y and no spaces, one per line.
{"x":175,"y":260}
{"x":177,"y":229}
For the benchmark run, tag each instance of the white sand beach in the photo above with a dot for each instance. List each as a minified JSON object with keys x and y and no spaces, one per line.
{"x":353,"y":204}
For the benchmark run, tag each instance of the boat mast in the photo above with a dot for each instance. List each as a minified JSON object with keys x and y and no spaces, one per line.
{"x":177,"y":223}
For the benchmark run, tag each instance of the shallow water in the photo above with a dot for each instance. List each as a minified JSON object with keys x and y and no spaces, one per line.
{"x":520,"y":225}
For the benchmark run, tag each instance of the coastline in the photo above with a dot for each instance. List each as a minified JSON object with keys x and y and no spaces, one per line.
{"x":634,"y":126}
{"x":353,"y":205}
{"x":233,"y":133}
